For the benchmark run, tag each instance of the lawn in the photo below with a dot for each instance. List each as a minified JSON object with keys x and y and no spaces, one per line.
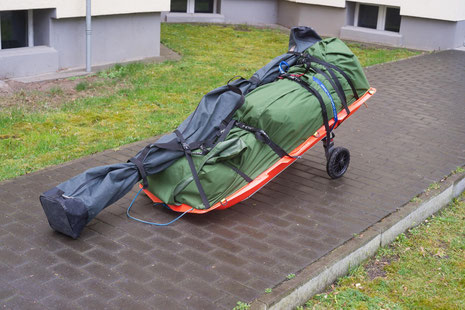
{"x":39,"y":128}
{"x":423,"y":269}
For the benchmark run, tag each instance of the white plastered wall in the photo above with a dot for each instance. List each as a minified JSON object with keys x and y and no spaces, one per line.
{"x":77,"y":8}
{"x":448,"y":10}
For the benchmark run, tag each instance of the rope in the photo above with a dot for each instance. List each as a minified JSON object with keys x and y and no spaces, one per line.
{"x":151,"y":223}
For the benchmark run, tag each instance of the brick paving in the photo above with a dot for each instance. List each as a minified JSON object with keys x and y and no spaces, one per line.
{"x":412,"y":134}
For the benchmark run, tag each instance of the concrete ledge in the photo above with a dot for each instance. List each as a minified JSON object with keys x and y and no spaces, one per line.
{"x":25,"y":61}
{"x":166,"y":54}
{"x":371,"y":35}
{"x":316,"y":277}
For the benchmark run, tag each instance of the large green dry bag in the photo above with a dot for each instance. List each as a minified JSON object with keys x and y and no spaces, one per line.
{"x":285,"y":110}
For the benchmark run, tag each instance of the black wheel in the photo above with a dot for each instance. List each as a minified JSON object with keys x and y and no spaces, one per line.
{"x":338,"y":162}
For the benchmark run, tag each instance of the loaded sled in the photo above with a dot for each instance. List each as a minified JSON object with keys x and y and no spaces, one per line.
{"x":337,"y":162}
{"x":240,"y":136}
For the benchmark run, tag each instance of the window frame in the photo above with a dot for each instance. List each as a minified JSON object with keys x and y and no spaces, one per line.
{"x":29,"y":30}
{"x":381,"y":23}
{"x":191,"y":8}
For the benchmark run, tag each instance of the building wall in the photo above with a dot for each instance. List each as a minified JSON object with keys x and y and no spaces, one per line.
{"x":77,"y":8}
{"x":433,"y":9}
{"x":250,"y":11}
{"x":460,"y":34}
{"x":115,"y":38}
{"x":431,"y":34}
{"x":326,"y":20}
{"x":449,"y":10}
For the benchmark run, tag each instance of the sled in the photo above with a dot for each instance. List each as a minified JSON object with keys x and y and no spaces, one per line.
{"x":269,"y":174}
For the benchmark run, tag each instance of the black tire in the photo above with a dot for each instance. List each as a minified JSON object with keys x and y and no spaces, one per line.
{"x":338,"y":162}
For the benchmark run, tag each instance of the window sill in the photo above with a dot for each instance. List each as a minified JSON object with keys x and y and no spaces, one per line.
{"x":371,"y":35}
{"x":194,"y":18}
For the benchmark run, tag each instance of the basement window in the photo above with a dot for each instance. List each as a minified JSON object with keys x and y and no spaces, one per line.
{"x":204,"y":6}
{"x":194,"y":6}
{"x":179,"y":6}
{"x":379,"y":17}
{"x":368,"y":16}
{"x":392,"y":19}
{"x":13,"y":29}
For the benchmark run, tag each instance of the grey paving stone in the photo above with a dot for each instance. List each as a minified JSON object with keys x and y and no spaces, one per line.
{"x":412,"y":134}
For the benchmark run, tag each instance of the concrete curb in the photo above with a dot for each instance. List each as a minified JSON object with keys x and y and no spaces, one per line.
{"x":317,"y":276}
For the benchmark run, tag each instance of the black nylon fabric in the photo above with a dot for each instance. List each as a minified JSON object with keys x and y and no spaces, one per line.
{"x":99,"y":187}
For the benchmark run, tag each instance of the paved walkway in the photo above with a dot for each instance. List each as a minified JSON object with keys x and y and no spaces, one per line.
{"x":412,"y":134}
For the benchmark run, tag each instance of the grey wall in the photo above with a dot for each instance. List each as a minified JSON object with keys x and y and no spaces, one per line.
{"x":350,"y":13}
{"x":250,"y":11}
{"x":460,"y":33}
{"x":115,"y":38}
{"x":42,"y":26}
{"x":431,"y":34}
{"x":327,"y":21}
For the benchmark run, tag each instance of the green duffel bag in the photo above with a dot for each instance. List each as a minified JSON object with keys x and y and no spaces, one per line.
{"x":285,"y":110}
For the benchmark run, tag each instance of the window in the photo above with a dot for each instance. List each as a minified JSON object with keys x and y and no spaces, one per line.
{"x":13,"y":25}
{"x":179,"y":6}
{"x":392,"y":19}
{"x":193,"y":6}
{"x":377,"y":17}
{"x":204,"y":6}
{"x":368,"y":16}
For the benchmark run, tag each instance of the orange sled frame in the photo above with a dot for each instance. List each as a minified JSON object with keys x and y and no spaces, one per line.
{"x":266,"y":176}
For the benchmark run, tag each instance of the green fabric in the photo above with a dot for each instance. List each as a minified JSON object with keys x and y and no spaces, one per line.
{"x":287,"y":112}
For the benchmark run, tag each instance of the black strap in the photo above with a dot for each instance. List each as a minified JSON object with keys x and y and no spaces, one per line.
{"x":336,"y":85}
{"x":224,"y":131}
{"x":238,"y":91}
{"x":320,"y":100}
{"x":140,"y":168}
{"x":188,"y":153}
{"x":239,"y":172}
{"x":255,"y":80}
{"x":262,"y":136}
{"x":138,"y":160}
{"x":329,"y":65}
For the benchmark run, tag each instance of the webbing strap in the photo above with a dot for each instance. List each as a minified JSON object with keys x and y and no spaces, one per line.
{"x":239,"y":172}
{"x":320,"y":100}
{"x":262,"y":136}
{"x":140,"y":168}
{"x":225,"y":131}
{"x":238,"y":91}
{"x":336,"y":85}
{"x":333,"y":105}
{"x":195,"y":175}
{"x":138,"y":160}
{"x":329,"y":65}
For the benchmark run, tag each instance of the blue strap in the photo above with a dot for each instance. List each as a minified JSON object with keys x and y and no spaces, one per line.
{"x":330,"y":98}
{"x":151,"y":223}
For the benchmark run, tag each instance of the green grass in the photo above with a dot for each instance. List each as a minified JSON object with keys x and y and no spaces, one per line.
{"x":424,"y":269}
{"x":136,"y":101}
{"x":241,"y":306}
{"x":81,"y":86}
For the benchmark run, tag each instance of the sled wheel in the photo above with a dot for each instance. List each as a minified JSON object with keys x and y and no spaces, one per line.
{"x":338,"y":162}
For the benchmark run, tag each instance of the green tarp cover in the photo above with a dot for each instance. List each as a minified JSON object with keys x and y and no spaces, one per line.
{"x":287,"y":112}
